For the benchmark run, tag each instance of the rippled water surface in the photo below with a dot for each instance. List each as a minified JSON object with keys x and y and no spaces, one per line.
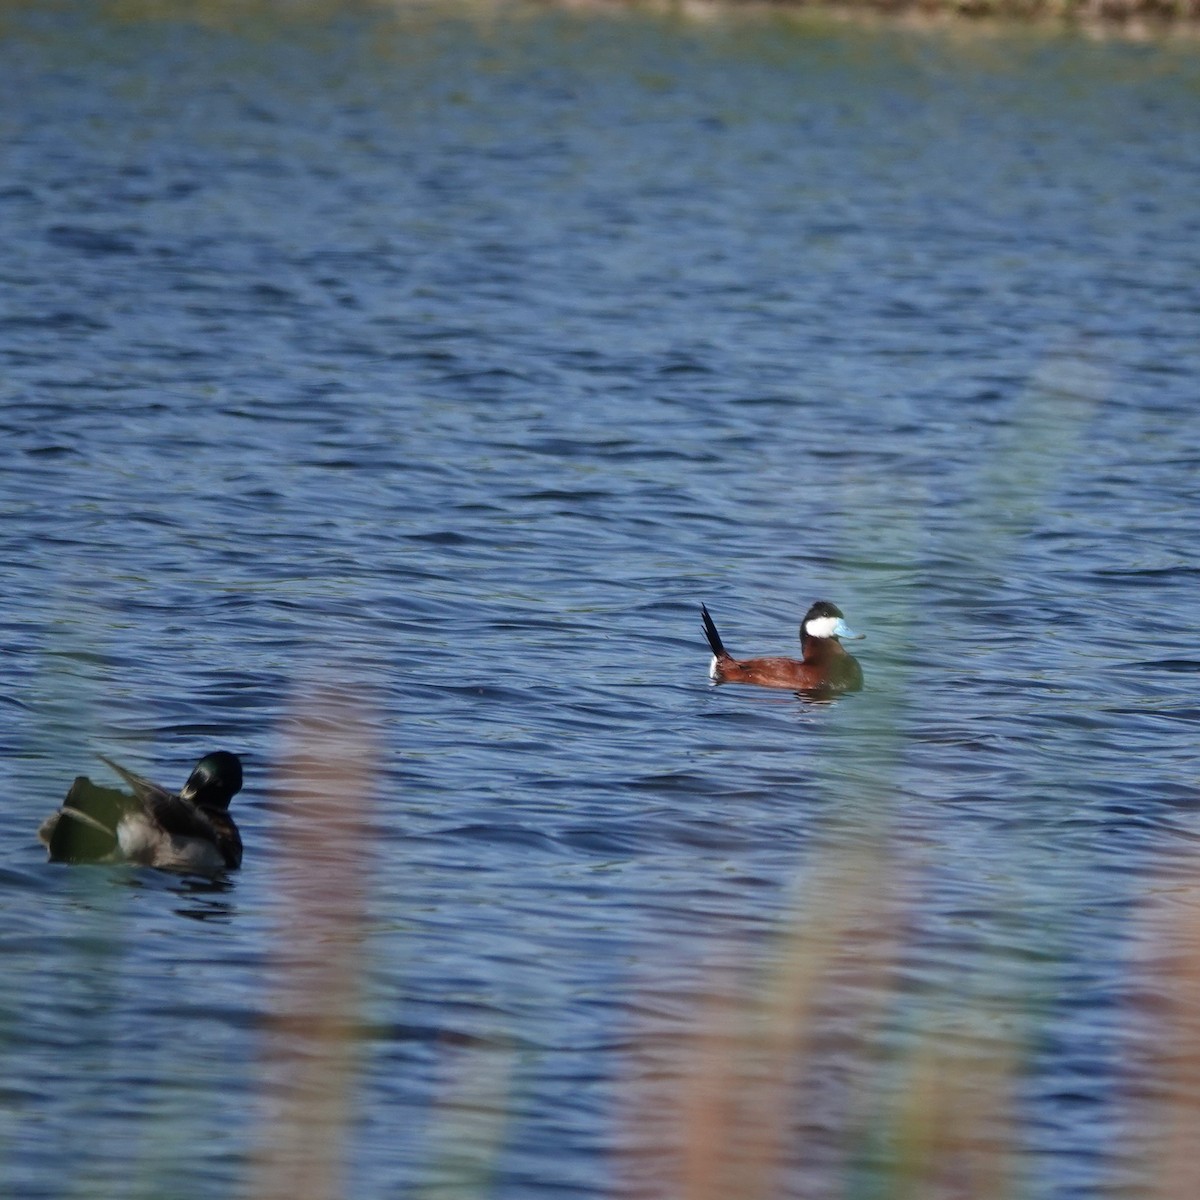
{"x":383,"y":391}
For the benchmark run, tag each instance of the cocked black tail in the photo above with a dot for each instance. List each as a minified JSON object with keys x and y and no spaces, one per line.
{"x":710,"y":632}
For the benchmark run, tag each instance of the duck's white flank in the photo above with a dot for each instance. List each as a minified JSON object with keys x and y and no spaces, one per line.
{"x":141,"y":841}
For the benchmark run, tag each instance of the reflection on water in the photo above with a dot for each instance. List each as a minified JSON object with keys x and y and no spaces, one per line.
{"x":204,"y":899}
{"x":461,"y":354}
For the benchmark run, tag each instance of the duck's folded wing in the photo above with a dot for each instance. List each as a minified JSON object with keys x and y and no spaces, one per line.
{"x":143,"y":788}
{"x":172,"y":813}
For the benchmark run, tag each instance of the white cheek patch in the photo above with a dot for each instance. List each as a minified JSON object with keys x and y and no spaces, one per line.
{"x":823,"y":627}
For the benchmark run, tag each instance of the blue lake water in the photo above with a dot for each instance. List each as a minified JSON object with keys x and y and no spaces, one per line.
{"x":383,"y":392}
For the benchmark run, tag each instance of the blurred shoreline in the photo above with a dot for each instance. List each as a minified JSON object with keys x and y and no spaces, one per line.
{"x":1129,"y":18}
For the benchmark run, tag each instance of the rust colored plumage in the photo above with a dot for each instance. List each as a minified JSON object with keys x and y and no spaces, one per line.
{"x":825,"y":667}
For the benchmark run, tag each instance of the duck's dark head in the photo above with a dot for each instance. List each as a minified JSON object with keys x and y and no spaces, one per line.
{"x":216,"y":779}
{"x":825,"y":620}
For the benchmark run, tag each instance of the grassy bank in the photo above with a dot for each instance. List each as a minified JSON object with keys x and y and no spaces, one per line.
{"x":1132,"y":17}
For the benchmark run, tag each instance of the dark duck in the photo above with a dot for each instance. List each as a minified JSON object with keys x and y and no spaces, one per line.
{"x":824,"y":668}
{"x":188,"y":830}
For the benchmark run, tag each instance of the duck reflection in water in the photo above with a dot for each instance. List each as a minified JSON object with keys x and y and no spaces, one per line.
{"x":826,"y":667}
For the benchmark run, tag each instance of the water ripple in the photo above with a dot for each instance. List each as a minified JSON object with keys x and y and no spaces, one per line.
{"x":440,"y":368}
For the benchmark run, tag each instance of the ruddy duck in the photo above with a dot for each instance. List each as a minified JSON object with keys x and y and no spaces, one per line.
{"x":825,"y":668}
{"x":186,"y":831}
